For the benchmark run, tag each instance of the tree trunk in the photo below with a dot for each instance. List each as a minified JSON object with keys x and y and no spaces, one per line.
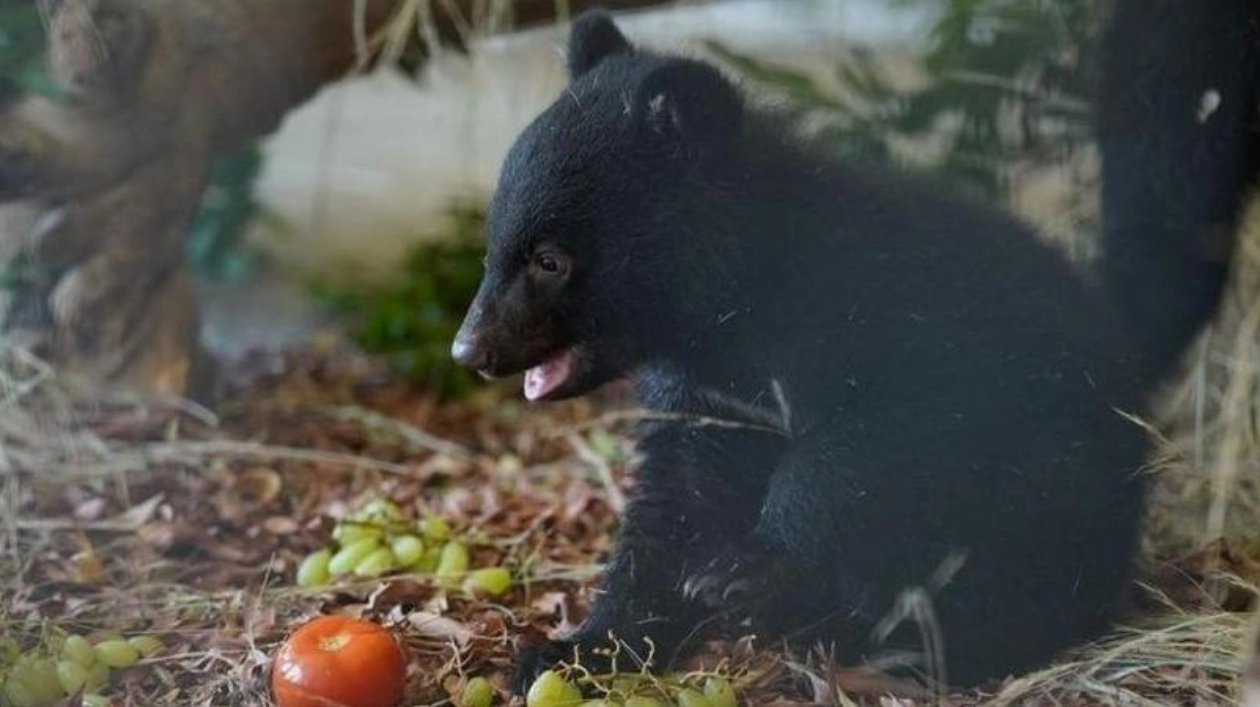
{"x":99,"y":190}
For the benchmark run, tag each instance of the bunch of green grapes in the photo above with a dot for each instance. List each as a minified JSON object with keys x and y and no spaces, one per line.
{"x":551,"y":689}
{"x":376,"y":540}
{"x":67,"y":665}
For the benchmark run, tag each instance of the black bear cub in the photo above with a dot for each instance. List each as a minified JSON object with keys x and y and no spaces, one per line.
{"x":922,"y":449}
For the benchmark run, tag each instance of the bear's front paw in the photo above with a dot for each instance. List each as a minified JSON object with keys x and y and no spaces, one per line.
{"x":734,"y":579}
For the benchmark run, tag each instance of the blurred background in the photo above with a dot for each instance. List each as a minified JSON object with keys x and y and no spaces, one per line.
{"x":334,"y":170}
{"x":374,"y":165}
{"x":357,"y":181}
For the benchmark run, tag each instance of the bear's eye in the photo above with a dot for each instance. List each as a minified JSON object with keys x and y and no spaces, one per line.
{"x":550,"y":263}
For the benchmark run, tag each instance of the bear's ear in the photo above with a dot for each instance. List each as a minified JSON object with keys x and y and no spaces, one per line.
{"x":690,"y":106}
{"x":594,"y":38}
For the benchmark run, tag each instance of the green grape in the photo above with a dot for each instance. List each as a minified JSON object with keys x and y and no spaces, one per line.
{"x":96,"y":701}
{"x":428,"y":564}
{"x":147,"y":645}
{"x":604,"y":444}
{"x":453,"y":564}
{"x":313,"y":572}
{"x":642,"y":701}
{"x":477,"y":693}
{"x":551,"y":690}
{"x":352,"y":532}
{"x":434,"y":529}
{"x":494,"y":581}
{"x":10,"y":650}
{"x":98,"y":676}
{"x":603,"y":702}
{"x":381,"y":509}
{"x":117,"y":654}
{"x":691,"y":698}
{"x":377,"y":564}
{"x":409,"y":549}
{"x":72,"y":676}
{"x":79,"y":650}
{"x":719,"y":692}
{"x":626,"y":683}
{"x":349,"y":557}
{"x":18,"y":694}
{"x":39,"y":676}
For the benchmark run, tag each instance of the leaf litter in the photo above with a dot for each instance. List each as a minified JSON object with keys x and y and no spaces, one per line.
{"x":163,"y":519}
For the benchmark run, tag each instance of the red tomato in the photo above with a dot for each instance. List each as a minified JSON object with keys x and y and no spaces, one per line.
{"x":338,"y":661}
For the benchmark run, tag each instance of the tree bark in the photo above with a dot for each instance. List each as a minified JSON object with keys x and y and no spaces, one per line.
{"x":100,"y":189}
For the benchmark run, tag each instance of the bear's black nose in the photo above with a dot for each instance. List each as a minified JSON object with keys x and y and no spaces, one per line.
{"x":467,"y":354}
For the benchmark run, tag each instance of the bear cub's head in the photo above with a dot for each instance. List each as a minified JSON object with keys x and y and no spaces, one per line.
{"x":604,"y":219}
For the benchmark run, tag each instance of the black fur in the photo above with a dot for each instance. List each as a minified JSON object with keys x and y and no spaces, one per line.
{"x":593,"y":38}
{"x":928,"y":397}
{"x":1175,"y":170}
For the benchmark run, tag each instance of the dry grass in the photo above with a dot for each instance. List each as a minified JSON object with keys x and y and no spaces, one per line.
{"x":1214,"y":451}
{"x":416,"y":23}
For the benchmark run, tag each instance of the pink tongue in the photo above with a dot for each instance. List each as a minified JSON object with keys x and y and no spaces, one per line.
{"x":549,"y":375}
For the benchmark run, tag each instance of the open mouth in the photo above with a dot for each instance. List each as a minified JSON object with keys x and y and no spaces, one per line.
{"x":545,"y":378}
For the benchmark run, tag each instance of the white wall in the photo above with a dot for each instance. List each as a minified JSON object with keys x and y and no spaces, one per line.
{"x":370,"y":164}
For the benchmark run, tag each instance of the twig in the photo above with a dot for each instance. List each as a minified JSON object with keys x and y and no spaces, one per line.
{"x":183,"y":450}
{"x":410,"y":433}
{"x":47,"y":524}
{"x":616,"y":499}
{"x":622,"y":416}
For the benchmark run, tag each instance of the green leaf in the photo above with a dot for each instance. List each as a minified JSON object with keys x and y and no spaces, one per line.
{"x":412,"y":321}
{"x":986,"y":60}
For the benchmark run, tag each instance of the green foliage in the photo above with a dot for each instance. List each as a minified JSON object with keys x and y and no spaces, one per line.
{"x":22,"y":42}
{"x":18,"y":272}
{"x":1011,"y":76}
{"x":413,"y":321}
{"x":25,"y":284}
{"x":215,"y":237}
